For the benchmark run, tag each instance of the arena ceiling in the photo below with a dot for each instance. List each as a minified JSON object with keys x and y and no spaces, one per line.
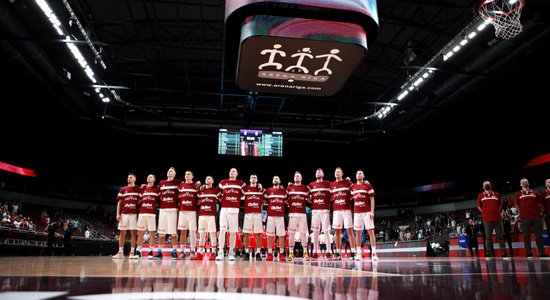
{"x":164,"y":59}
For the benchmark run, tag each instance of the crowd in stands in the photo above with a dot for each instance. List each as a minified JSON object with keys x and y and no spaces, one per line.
{"x":13,"y":218}
{"x":89,"y":223}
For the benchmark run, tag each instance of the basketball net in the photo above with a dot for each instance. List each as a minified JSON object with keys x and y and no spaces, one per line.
{"x":504,"y":15}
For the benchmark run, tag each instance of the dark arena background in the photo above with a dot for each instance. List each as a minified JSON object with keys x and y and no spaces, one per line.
{"x":429,"y":99}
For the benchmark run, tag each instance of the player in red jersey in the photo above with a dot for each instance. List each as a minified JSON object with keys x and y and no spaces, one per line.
{"x":363,"y":213}
{"x":150,"y":195}
{"x":253,"y":203}
{"x":126,"y":214}
{"x":320,"y":209}
{"x":276,"y":197}
{"x":297,"y":219}
{"x":187,"y":216}
{"x":341,"y":211}
{"x":208,"y":198}
{"x":232,"y":191}
{"x":168,"y":213}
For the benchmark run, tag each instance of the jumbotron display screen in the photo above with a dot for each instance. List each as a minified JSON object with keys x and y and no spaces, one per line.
{"x":250,"y":142}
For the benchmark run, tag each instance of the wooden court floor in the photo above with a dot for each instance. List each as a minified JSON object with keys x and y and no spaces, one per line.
{"x":96,"y":277}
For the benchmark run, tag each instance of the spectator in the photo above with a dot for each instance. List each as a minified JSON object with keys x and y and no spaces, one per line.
{"x":68,"y":243}
{"x":51,"y":229}
{"x":507,"y":226}
{"x":471,"y":232}
{"x":44,"y":219}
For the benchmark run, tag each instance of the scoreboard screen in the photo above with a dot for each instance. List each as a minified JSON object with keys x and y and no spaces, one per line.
{"x":250,"y":142}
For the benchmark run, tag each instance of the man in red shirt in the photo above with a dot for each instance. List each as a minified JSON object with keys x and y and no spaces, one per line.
{"x":276,"y":197}
{"x":168,"y":212}
{"x":490,"y":205}
{"x":252,"y":224}
{"x":363,"y":216}
{"x":341,"y":211}
{"x":297,"y":219}
{"x":320,"y":209}
{"x":126,"y":214}
{"x":187,"y":216}
{"x":530,"y":209}
{"x":232,"y":192}
{"x":208,"y":198}
{"x":545,"y":197}
{"x":147,"y":218}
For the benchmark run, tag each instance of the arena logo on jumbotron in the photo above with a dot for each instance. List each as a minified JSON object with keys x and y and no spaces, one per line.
{"x":296,"y":66}
{"x":299,"y":71}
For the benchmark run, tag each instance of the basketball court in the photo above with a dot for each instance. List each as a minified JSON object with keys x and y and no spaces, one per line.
{"x":407,"y":278}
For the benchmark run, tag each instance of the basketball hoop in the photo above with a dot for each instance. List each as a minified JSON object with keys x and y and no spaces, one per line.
{"x":504,"y":15}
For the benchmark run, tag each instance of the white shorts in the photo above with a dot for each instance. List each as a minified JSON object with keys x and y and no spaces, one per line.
{"x":253,"y":223}
{"x":127,"y":222}
{"x":147,"y":222}
{"x":320,"y":219}
{"x":207,"y":223}
{"x":342,"y":217}
{"x":187,"y":220}
{"x":297,"y":222}
{"x":168,"y":220}
{"x":363,"y":221}
{"x":275,"y":226}
{"x":229,"y":219}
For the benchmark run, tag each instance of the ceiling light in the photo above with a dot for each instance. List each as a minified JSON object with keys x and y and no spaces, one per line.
{"x":400,"y":97}
{"x":45,"y":7}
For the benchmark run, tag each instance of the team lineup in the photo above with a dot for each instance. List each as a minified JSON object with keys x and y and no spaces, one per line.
{"x":189,"y":206}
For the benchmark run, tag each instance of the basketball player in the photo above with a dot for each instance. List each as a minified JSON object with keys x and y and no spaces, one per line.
{"x":276,"y":197}
{"x":297,"y":219}
{"x":168,"y":213}
{"x":147,"y":215}
{"x":253,"y":202}
{"x":187,"y":217}
{"x":208,"y":198}
{"x":341,"y":211}
{"x":126,"y":214}
{"x":320,"y":209}
{"x":363,"y":217}
{"x":232,"y":191}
